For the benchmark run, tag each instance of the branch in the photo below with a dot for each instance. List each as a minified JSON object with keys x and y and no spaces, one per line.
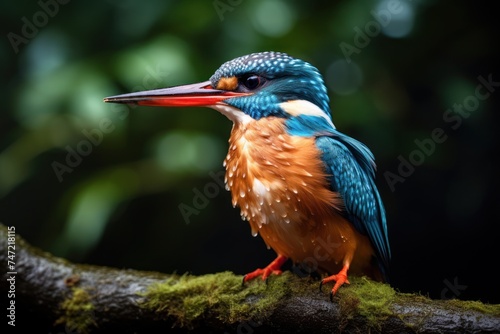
{"x":59,"y":296}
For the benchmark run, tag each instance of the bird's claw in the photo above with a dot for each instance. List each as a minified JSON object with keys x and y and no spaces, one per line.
{"x":340,"y":279}
{"x":272,"y":269}
{"x":321,"y":290}
{"x":264,"y":273}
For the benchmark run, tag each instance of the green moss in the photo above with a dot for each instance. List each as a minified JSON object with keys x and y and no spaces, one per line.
{"x":367,"y":298}
{"x":193,"y":298}
{"x":476,"y":306}
{"x":78,"y":312}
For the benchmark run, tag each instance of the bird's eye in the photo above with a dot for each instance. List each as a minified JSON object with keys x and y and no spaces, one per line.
{"x":252,"y":82}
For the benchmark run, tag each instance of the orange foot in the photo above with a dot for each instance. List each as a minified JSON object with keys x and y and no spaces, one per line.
{"x":272,"y":269}
{"x":339,"y":279}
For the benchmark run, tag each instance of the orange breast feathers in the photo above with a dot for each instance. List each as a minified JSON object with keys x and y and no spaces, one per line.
{"x":280,"y":185}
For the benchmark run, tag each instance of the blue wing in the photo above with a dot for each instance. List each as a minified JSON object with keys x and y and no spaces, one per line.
{"x":352,"y":169}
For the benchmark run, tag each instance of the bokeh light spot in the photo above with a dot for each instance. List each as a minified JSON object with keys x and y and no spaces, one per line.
{"x":273,"y":18}
{"x":181,"y":151}
{"x":399,"y":18}
{"x":343,"y":77}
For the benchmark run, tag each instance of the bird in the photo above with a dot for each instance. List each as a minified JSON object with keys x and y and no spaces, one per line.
{"x":305,"y":187}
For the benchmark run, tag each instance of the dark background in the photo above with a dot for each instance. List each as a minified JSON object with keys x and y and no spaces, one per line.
{"x":119,"y":205}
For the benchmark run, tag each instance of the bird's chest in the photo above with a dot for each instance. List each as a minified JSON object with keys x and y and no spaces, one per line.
{"x":277,"y":180}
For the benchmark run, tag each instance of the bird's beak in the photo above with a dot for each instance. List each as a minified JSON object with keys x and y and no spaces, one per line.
{"x":195,"y":95}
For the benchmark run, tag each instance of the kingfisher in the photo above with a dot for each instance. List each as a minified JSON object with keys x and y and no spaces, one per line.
{"x":306,"y":188}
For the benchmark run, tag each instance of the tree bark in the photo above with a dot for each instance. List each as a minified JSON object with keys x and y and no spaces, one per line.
{"x":57,"y":296}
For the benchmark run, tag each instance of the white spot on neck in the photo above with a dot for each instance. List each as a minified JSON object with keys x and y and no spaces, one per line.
{"x":234,"y":114}
{"x":303,"y":107}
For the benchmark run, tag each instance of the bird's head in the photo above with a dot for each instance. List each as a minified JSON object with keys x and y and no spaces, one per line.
{"x":251,"y":87}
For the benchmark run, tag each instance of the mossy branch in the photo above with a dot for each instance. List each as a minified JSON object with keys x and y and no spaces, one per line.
{"x":55,"y":295}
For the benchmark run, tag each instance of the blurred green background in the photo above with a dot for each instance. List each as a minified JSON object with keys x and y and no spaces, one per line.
{"x":102,"y":184}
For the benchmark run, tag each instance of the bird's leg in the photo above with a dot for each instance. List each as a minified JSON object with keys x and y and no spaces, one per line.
{"x":274,"y":268}
{"x":340,"y":278}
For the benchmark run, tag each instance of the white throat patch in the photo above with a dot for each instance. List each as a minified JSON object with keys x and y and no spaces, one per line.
{"x":234,"y":114}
